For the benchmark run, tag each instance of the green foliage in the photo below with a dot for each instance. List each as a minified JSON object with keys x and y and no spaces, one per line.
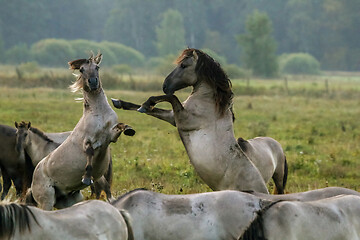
{"x":259,"y":46}
{"x":52,"y":52}
{"x":170,"y":34}
{"x":124,"y":54}
{"x":233,"y":71}
{"x":17,"y":54}
{"x":299,"y":63}
{"x":122,"y":69}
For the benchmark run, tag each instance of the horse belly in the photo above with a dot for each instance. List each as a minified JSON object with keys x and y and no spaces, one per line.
{"x":205,"y":153}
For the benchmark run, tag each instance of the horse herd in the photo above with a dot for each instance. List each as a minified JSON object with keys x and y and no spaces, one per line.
{"x":49,"y":170}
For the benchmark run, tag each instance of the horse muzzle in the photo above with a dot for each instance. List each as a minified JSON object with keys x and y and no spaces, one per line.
{"x":93,"y":83}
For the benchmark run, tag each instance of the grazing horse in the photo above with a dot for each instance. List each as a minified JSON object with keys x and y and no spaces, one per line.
{"x":87,"y":220}
{"x":213,"y":215}
{"x":205,"y":125}
{"x":326,"y":219}
{"x":59,"y":177}
{"x":38,"y":145}
{"x":12,"y":161}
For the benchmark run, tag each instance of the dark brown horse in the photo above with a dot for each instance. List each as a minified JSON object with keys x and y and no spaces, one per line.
{"x":12,"y":162}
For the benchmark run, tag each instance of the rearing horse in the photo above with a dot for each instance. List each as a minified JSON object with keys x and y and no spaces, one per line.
{"x":205,"y":125}
{"x":59,"y":177}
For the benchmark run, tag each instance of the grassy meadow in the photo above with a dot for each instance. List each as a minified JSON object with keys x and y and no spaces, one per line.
{"x":316,"y":119}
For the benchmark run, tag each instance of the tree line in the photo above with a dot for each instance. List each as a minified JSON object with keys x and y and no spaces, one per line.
{"x":325,"y":29}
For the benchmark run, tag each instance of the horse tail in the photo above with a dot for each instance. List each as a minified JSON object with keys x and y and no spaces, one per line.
{"x":285,"y":172}
{"x":127,"y":220}
{"x":15,"y":216}
{"x":255,"y":231}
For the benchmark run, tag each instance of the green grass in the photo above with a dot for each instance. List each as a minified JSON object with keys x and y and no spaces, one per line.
{"x":319,"y":132}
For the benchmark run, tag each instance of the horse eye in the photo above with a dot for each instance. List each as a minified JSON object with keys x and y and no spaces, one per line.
{"x":81,"y":70}
{"x":182,"y":65}
{"x":97,"y":68}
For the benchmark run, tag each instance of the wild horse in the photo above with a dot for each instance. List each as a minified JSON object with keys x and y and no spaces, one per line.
{"x":205,"y":125}
{"x":87,"y":220}
{"x":59,"y":177}
{"x":38,"y":145}
{"x":12,"y":162}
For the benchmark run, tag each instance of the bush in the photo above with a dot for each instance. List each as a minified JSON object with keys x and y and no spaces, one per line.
{"x":234,"y":71}
{"x":84,"y":48}
{"x":17,"y":54}
{"x":124,"y":55}
{"x":52,"y":52}
{"x":299,"y":63}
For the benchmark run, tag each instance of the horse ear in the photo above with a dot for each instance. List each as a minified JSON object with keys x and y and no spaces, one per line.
{"x":98,"y":58}
{"x":196,"y":57}
{"x":76,"y":64}
{"x":29,"y":125}
{"x":16,"y":125}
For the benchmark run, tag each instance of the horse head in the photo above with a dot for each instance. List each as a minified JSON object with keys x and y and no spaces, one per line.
{"x":194,"y":67}
{"x":184,"y":74}
{"x":89,"y":73}
{"x":22,"y":136}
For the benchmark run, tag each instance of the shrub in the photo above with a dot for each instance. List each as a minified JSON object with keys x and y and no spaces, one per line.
{"x":299,"y":63}
{"x":124,"y":55}
{"x":52,"y":52}
{"x":84,"y":48}
{"x":234,"y":71}
{"x":17,"y":54}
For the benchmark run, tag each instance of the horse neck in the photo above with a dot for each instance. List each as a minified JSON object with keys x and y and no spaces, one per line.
{"x":202,"y":90}
{"x":39,"y":147}
{"x":95,"y":101}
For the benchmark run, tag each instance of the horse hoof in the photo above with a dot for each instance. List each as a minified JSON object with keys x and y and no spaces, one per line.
{"x":116,"y":103}
{"x":129,"y":132}
{"x":142,"y":110}
{"x":87,"y":181}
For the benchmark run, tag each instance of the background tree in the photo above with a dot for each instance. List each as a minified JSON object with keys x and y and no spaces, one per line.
{"x":170,"y":34}
{"x":259,"y":46}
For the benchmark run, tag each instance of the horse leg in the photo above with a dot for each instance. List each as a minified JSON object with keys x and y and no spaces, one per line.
{"x":88,"y":169}
{"x":6,"y":183}
{"x":162,"y":114}
{"x":43,"y":191}
{"x":69,"y":200}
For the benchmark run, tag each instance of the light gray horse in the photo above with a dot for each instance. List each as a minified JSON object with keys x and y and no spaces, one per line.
{"x":59,"y":177}
{"x":205,"y":125}
{"x":307,"y":196}
{"x":332,"y":218}
{"x":38,"y":145}
{"x":212,"y":216}
{"x":87,"y":220}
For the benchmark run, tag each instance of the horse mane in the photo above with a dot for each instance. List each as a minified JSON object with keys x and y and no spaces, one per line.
{"x":128,"y":193}
{"x":40,"y":134}
{"x":255,"y":231}
{"x":14,"y":216}
{"x":210,"y":70}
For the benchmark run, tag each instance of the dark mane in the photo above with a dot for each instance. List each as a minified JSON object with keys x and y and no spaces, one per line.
{"x":13,"y":216}
{"x":255,"y":231}
{"x":126,"y":194}
{"x":210,"y":70}
{"x":40,"y":134}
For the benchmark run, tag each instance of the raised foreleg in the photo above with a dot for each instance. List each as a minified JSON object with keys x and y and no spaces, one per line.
{"x":89,"y":151}
{"x":163,"y":114}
